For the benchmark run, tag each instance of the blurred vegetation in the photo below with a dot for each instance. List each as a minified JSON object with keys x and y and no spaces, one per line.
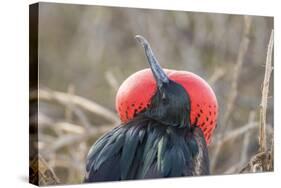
{"x":89,"y":50}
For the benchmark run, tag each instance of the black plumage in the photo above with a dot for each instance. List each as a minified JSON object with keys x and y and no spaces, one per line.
{"x":158,"y":142}
{"x":146,"y":149}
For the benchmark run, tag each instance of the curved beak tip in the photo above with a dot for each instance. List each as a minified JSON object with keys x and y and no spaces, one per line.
{"x":141,"y":40}
{"x":158,"y":72}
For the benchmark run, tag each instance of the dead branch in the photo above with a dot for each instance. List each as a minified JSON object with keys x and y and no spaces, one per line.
{"x":237,"y":69}
{"x":263,"y":105}
{"x":75,"y":133}
{"x":41,"y":173}
{"x":68,"y":109}
{"x":244,"y":152}
{"x":70,"y":128}
{"x":260,"y":162}
{"x":70,"y":139}
{"x":233,"y":91}
{"x":257,"y":163}
{"x":66,"y":99}
{"x":71,"y":108}
{"x":263,"y":160}
{"x":219,"y":72}
{"x":46,"y":122}
{"x":82,"y":117}
{"x":220,"y":139}
{"x":111,"y":79}
{"x":271,"y":160}
{"x":246,"y":141}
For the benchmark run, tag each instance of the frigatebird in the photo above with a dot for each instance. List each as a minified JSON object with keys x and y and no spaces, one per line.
{"x":168,"y":118}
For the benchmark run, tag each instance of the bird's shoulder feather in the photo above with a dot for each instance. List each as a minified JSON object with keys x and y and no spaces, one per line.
{"x":146,"y":149}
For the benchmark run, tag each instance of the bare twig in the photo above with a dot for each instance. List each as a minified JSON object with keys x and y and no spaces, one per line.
{"x":78,"y":133}
{"x":244,"y":152}
{"x":81,"y":116}
{"x":245,"y":146}
{"x":220,"y":139}
{"x":263,"y":160}
{"x":255,"y":164}
{"x":233,"y":91}
{"x":46,"y":122}
{"x":86,"y":104}
{"x":219,"y":72}
{"x":70,"y":128}
{"x":68,"y":108}
{"x":245,"y":129}
{"x":111,"y":79}
{"x":42,"y":173}
{"x":70,"y":139}
{"x":246,"y":141}
{"x":271,"y":160}
{"x":236,"y":72}
{"x":65,"y":127}
{"x":263,"y":105}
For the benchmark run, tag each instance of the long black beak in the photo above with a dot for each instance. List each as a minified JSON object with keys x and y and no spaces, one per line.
{"x":158,"y":73}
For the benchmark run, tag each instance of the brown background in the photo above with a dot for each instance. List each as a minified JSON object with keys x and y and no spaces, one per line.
{"x":90,"y":50}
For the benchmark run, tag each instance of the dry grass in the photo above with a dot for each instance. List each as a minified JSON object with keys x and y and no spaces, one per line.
{"x":263,"y":160}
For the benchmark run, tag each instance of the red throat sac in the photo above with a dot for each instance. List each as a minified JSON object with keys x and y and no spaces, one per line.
{"x":135,"y":93}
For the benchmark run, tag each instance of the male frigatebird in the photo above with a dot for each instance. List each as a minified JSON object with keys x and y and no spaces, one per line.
{"x":168,"y":118}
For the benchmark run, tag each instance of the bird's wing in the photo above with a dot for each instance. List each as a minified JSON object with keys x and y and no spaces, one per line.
{"x":144,"y":150}
{"x":174,"y":152}
{"x":201,"y":160}
{"x":116,"y":155}
{"x":103,"y":158}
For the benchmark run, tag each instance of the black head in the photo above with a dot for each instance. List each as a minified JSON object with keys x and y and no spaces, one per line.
{"x":171,"y":104}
